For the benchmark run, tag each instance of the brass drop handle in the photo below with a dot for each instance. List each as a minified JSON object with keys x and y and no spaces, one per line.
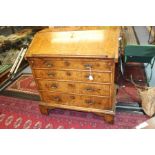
{"x":68,"y":73}
{"x":67,"y":63}
{"x":51,"y":74}
{"x":109,"y":64}
{"x":89,"y":89}
{"x":56,"y":98}
{"x":48,"y":64}
{"x":72,"y":97}
{"x":89,"y":102}
{"x":71,"y":85}
{"x":54,"y":86}
{"x":88,"y":66}
{"x":32,"y":62}
{"x":87,"y":77}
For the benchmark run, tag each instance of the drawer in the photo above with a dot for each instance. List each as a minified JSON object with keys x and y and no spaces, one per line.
{"x":94,"y":89}
{"x":97,"y":77}
{"x":58,"y":86}
{"x":77,"y":100}
{"x":102,"y":77}
{"x":80,"y":64}
{"x":73,"y":87}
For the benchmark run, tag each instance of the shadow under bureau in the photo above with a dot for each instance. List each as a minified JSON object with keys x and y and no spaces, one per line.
{"x":75,"y":69}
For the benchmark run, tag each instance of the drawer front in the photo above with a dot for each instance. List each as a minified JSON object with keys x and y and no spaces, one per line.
{"x":94,"y":89}
{"x":54,"y":74}
{"x":72,"y":87}
{"x":97,"y":77}
{"x":77,"y":100}
{"x":56,"y":86}
{"x":73,"y":75}
{"x":80,"y":64}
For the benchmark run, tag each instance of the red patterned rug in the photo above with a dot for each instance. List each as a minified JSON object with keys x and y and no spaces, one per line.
{"x":25,"y":84}
{"x":19,"y":113}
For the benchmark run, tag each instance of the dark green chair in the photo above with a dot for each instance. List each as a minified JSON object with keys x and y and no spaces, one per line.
{"x":141,"y":54}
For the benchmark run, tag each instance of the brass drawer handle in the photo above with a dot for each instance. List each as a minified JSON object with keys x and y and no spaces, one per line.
{"x":89,"y":102}
{"x":51,"y":74}
{"x":87,"y":77}
{"x":72,"y":97}
{"x":88,"y":66}
{"x":56,"y":98}
{"x":67,"y":63}
{"x":48,"y":64}
{"x":68,"y":73}
{"x":89,"y":89}
{"x":32,"y":62}
{"x":109,"y":64}
{"x":54,"y":86}
{"x":71,"y":85}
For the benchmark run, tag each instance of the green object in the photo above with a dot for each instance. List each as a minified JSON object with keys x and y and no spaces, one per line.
{"x":3,"y":68}
{"x":139,"y":53}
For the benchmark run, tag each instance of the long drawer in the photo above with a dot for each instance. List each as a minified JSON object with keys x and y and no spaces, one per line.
{"x":75,"y":87}
{"x":104,"y":77}
{"x":77,"y":100}
{"x":81,"y":64}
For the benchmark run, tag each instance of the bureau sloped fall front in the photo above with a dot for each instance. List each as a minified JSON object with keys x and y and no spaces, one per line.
{"x":75,"y":69}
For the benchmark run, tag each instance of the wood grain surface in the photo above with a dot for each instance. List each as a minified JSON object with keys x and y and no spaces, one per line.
{"x":74,"y":67}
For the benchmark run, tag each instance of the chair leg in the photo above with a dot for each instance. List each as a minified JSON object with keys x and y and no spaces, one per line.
{"x":150,"y":35}
{"x":151,"y":67}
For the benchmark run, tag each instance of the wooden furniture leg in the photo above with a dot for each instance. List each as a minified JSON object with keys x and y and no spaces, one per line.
{"x":107,"y":117}
{"x":43,"y":109}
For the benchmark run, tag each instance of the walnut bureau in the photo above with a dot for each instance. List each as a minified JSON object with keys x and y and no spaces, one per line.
{"x":74,"y":69}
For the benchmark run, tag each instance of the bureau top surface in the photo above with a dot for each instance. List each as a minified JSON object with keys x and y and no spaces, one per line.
{"x":97,"y":43}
